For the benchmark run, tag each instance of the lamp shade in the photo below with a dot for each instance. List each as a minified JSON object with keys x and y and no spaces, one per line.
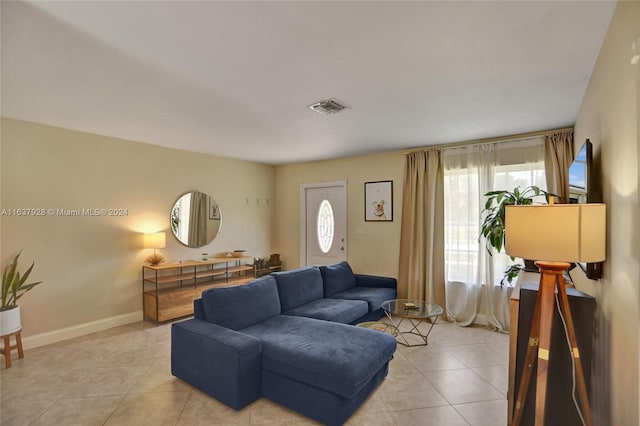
{"x":154,"y":241}
{"x":557,"y":233}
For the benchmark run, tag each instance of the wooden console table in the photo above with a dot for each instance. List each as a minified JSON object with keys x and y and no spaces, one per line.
{"x":169,"y":289}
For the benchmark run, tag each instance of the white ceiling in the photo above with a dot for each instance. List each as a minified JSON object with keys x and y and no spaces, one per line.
{"x":235,"y":78}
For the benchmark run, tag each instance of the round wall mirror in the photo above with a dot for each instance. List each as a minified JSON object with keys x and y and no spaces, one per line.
{"x":195,"y":219}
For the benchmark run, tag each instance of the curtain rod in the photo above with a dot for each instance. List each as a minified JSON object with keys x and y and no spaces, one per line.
{"x":490,"y":140}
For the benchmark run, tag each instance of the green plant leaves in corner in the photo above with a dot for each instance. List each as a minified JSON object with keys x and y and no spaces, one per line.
{"x":493,"y":220}
{"x":14,"y":284}
{"x":493,"y":215}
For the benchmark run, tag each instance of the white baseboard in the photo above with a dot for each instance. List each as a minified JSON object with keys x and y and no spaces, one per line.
{"x":49,"y":337}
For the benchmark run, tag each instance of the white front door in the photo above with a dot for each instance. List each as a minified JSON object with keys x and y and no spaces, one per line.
{"x":324,"y":223}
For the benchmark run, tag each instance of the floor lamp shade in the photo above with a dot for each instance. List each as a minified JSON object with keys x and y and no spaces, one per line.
{"x":155,"y":241}
{"x":557,"y":233}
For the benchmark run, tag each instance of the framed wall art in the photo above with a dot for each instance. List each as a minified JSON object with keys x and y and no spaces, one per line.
{"x":378,"y":201}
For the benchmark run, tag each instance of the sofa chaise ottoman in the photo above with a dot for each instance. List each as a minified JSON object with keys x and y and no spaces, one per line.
{"x":245,"y":343}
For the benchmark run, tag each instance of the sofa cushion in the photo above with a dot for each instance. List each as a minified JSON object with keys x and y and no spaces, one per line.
{"x":373,"y":296}
{"x":242,"y":306}
{"x":344,"y":311}
{"x":337,"y":278}
{"x":298,"y":286}
{"x":338,"y":358}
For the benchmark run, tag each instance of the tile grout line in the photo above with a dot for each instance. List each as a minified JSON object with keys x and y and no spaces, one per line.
{"x":184,"y":407}
{"x":470,"y":369}
{"x":124,"y":396}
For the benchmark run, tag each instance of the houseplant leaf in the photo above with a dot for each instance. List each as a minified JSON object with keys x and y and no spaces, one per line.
{"x":14,"y":284}
{"x":22,"y":288}
{"x":8,"y":277}
{"x":494,"y":216}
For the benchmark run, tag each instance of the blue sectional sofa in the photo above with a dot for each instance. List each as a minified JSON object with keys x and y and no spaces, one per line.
{"x":286,"y":337}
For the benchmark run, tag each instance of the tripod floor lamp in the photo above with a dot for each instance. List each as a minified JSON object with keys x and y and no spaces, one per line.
{"x":558,"y":234}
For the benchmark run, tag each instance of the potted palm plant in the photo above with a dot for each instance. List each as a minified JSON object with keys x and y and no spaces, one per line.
{"x":493,"y":221}
{"x":14,"y":286}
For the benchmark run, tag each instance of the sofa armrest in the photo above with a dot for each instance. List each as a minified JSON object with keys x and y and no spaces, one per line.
{"x":221,"y":362}
{"x":198,"y":309}
{"x":375,"y":281}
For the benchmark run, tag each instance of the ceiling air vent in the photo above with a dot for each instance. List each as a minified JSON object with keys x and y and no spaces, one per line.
{"x":330,"y":106}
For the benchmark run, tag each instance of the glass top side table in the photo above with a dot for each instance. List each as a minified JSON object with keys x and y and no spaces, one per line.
{"x":415,"y":312}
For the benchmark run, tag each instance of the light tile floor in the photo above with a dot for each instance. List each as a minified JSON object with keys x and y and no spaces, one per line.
{"x":122,"y":376}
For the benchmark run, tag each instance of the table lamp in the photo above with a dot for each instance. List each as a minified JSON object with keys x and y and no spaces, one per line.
{"x":155,"y":241}
{"x":554,"y":234}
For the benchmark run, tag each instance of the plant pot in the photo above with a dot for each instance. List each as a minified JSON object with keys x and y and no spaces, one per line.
{"x":10,"y":321}
{"x":530,"y":266}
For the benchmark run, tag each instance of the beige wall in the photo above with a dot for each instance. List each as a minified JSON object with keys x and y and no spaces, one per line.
{"x":373,"y":247}
{"x":91,"y":265}
{"x":609,"y":117}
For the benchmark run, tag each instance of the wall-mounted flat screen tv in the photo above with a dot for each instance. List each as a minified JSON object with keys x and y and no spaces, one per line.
{"x":584,"y":188}
{"x":580,"y":179}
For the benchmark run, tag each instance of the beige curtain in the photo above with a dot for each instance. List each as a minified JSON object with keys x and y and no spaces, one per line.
{"x":421,"y":266}
{"x":558,"y":155}
{"x":470,"y":172}
{"x":198,"y":220}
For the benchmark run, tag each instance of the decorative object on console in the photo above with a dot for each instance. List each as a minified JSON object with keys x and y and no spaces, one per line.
{"x":154,"y":241}
{"x":263,"y":266}
{"x":238,"y":253}
{"x":259,"y":263}
{"x":558,"y":234}
{"x":274,"y":260}
{"x":378,"y":201}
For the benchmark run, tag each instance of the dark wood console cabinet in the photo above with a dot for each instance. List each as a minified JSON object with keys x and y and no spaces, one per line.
{"x":560,"y":409}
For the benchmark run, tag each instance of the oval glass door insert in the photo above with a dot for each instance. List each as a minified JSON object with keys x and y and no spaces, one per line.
{"x":324,"y":223}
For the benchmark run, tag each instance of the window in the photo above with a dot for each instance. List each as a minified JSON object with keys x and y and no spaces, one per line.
{"x":468,"y":174}
{"x":325,"y":222}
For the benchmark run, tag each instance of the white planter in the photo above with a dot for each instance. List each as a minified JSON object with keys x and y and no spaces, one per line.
{"x":10,"y":321}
